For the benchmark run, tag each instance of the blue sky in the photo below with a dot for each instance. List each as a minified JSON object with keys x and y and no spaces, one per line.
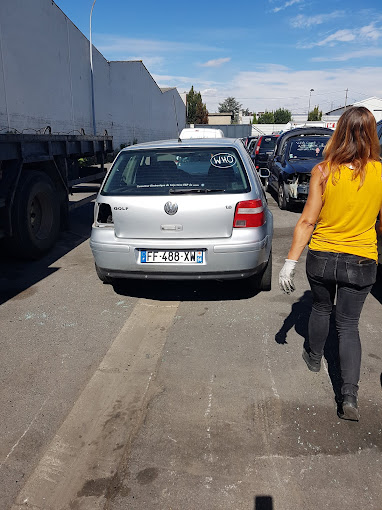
{"x":265,"y":53}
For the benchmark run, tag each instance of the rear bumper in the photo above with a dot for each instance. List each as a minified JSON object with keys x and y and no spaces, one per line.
{"x":235,"y":275}
{"x":223,"y":258}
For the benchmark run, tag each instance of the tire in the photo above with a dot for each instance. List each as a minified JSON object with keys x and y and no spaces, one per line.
{"x":281,"y":197}
{"x":102,"y":276}
{"x":263,"y":281}
{"x":35,"y":216}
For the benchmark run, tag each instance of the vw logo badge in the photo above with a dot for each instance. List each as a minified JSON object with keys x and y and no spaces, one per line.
{"x":170,"y":208}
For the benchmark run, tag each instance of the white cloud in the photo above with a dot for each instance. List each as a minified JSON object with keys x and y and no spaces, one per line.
{"x":363,"y":53}
{"x":286,"y":4}
{"x":302,"y":21}
{"x":112,"y":47}
{"x":370,"y":32}
{"x":272,"y":87}
{"x":359,"y":35}
{"x":216,"y":63}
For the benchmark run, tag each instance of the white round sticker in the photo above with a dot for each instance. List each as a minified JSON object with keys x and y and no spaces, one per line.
{"x":223,"y":160}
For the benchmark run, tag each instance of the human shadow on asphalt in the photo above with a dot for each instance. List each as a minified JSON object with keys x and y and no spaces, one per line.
{"x":263,"y":503}
{"x":187,"y":290}
{"x":299,"y":319}
{"x":18,"y":275}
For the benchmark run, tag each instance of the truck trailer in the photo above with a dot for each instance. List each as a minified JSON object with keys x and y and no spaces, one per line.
{"x":38,"y":172}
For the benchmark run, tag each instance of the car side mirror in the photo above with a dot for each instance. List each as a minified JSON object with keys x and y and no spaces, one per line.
{"x":264,"y":173}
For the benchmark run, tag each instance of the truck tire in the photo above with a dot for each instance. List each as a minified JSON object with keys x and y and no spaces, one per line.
{"x":35,"y":216}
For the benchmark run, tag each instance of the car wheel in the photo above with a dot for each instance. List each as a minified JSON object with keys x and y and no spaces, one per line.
{"x":281,"y":197}
{"x":102,"y":276}
{"x":263,"y":281}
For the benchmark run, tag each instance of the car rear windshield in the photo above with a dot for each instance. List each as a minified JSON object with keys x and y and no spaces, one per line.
{"x":163,"y":172}
{"x":307,"y":147}
{"x":268,"y":143}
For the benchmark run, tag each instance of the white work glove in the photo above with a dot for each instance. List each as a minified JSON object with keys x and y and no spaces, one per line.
{"x":286,"y":276}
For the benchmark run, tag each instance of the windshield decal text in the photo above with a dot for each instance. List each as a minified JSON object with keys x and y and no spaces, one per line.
{"x":223,"y":160}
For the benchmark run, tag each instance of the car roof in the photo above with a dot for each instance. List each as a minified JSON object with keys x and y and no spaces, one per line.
{"x":188,"y":143}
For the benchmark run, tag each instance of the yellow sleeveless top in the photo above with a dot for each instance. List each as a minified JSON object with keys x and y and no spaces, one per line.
{"x":346,"y":223}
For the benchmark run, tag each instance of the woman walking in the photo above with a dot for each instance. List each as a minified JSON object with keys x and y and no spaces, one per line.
{"x":345,"y":198}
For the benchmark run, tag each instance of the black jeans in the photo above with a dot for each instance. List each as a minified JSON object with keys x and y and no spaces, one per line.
{"x":352,"y":277}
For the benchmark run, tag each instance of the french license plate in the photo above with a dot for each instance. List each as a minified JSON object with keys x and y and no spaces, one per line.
{"x":171,"y":257}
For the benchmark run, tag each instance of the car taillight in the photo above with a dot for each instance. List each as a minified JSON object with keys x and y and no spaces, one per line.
{"x":104,"y":215}
{"x":258,"y":145}
{"x":249,"y":213}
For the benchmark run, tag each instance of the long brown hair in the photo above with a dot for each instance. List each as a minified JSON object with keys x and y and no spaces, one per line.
{"x":354,"y":141}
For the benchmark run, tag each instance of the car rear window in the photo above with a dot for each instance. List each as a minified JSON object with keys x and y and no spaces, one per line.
{"x":268,"y":143}
{"x":306,"y":147}
{"x":163,"y":172}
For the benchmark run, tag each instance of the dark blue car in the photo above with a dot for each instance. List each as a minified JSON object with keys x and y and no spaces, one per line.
{"x":296,"y":152}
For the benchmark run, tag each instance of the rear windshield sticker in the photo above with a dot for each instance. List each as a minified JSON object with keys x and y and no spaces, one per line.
{"x":223,"y":160}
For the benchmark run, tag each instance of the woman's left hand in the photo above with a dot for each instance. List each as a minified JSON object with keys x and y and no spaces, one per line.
{"x":286,"y":276}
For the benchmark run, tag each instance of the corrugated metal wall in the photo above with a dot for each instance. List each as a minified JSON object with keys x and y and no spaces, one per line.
{"x":45,"y":80}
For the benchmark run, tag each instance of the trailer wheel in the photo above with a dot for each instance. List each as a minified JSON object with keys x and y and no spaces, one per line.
{"x":35,"y":216}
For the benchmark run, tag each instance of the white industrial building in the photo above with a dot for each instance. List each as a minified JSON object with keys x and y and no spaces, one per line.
{"x":374,"y":104}
{"x":45,"y":81}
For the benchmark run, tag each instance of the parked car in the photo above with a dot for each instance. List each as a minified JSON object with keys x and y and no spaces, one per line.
{"x":249,"y":142}
{"x":264,"y":148}
{"x":252,"y":144}
{"x":296,"y":152}
{"x":192,"y":209}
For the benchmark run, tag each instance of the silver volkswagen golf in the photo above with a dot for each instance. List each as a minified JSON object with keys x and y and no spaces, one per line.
{"x":191,"y":209}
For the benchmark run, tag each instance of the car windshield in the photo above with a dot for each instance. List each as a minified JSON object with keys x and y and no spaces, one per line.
{"x":167,"y":171}
{"x":306,"y":148}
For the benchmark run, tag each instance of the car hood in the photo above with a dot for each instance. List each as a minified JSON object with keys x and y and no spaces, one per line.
{"x":302,"y":166}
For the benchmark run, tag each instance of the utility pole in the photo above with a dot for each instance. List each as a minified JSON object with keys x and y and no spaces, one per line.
{"x":346,"y":97}
{"x":310,"y":94}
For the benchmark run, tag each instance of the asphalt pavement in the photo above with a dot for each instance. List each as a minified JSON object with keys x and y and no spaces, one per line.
{"x":176,"y":396}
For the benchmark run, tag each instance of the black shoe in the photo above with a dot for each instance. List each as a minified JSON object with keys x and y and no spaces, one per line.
{"x":349,"y":408}
{"x":313,"y":361}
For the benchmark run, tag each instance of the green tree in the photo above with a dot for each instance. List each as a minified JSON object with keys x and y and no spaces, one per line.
{"x":196,"y":110}
{"x":315,"y":114}
{"x":201,"y":113}
{"x":246,"y":112}
{"x":254,"y":120}
{"x":266,"y":118}
{"x":230,"y":105}
{"x":282,"y":116}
